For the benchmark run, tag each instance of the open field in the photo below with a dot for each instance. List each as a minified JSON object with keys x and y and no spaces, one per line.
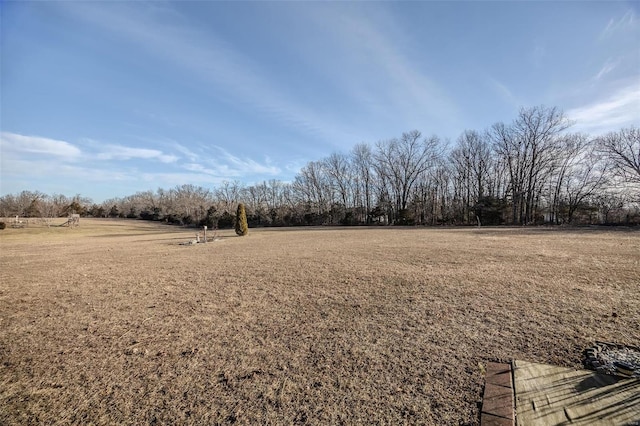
{"x":114,"y":322}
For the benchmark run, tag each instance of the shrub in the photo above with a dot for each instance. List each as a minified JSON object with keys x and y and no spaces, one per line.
{"x":405,"y":218}
{"x":226,"y":221}
{"x":242,"y":228}
{"x":3,"y":225}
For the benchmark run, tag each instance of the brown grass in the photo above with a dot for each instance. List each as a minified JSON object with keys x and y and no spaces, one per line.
{"x":115,"y":322}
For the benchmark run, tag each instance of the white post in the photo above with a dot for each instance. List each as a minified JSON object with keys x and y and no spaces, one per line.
{"x":205,"y":233}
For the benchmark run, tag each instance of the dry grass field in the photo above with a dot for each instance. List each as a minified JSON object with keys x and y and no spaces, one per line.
{"x":115,"y":322}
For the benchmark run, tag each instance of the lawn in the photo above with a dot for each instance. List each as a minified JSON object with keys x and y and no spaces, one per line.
{"x":116,"y":322}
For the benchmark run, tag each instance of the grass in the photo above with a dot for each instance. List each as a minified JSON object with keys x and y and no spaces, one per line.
{"x":115,"y":322}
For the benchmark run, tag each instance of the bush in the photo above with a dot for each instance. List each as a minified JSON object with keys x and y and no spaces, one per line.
{"x":242,"y":228}
{"x":3,"y":225}
{"x":405,"y":218}
{"x":348,"y":219}
{"x":211,"y":219}
{"x":489,"y":210}
{"x":226,"y":221}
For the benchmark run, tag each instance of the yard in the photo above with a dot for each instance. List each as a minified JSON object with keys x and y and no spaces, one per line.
{"x":116,"y":322}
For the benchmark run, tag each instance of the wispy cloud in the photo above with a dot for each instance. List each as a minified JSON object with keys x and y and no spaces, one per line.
{"x":174,"y":178}
{"x":248,"y":165}
{"x":620,"y":109}
{"x":93,"y":161}
{"x":504,"y":92}
{"x":608,"y":66}
{"x":192,"y":156}
{"x":381,"y":77}
{"x":213,"y":61}
{"x":195,"y":167}
{"x":36,"y":145}
{"x":23,"y":146}
{"x":374,"y":65}
{"x":615,"y":25}
{"x":57,"y":172}
{"x":222,"y":171}
{"x":216,"y":161}
{"x":118,"y":152}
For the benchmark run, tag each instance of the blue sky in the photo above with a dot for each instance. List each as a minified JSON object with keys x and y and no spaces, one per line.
{"x":110,"y":98}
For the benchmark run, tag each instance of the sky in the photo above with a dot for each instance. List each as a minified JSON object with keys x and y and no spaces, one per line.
{"x":107,"y":99}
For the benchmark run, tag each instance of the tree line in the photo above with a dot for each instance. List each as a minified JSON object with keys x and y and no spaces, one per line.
{"x":533,"y":170}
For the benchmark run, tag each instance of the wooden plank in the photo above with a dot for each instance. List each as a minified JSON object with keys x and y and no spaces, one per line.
{"x":497,"y":403}
{"x":550,"y":395}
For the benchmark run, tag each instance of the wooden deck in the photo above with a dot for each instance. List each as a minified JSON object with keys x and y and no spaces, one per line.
{"x":548,"y":395}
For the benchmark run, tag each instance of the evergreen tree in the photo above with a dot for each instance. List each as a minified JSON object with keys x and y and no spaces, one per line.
{"x":242,"y":228}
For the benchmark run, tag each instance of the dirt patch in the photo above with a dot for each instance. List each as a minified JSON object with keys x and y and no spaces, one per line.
{"x":294,"y":326}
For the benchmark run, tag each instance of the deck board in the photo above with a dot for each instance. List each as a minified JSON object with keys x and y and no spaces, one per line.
{"x":549,"y":395}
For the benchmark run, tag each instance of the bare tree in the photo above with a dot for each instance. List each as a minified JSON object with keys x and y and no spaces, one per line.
{"x":472,"y":162}
{"x":611,"y":205}
{"x":623,"y":151}
{"x":48,"y":209}
{"x":529,"y":169}
{"x":167,"y":203}
{"x":577,"y":172}
{"x":8,"y":205}
{"x":274,"y":193}
{"x":193,"y":202}
{"x":585,"y":177}
{"x":256,"y":197}
{"x":228,"y":195}
{"x":400,"y":162}
{"x":311,"y":186}
{"x":433,"y":194}
{"x":527,"y":148}
{"x":59,"y":203}
{"x":338,"y":170}
{"x":27,"y":203}
{"x":363,"y":179}
{"x":148,"y":205}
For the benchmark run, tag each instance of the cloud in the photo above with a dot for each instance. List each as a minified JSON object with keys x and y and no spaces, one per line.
{"x":374,"y":64}
{"x":195,"y":167}
{"x":248,"y":165}
{"x":173,"y":179}
{"x":118,"y":152}
{"x":209,"y":59}
{"x":16,"y":143}
{"x":376,"y":70}
{"x":27,"y":155}
{"x":192,"y":156}
{"x":613,"y":26}
{"x":608,"y":66}
{"x":216,"y":161}
{"x":56,"y":171}
{"x":618,"y":110}
{"x":104,"y":169}
{"x":504,"y":92}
